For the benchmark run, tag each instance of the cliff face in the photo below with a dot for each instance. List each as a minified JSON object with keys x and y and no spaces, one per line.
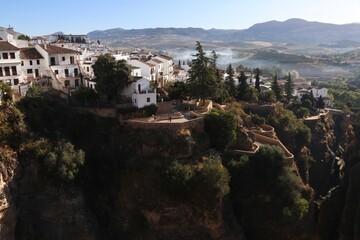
{"x":135,"y":204}
{"x":324,"y":172}
{"x":339,"y":211}
{"x":8,"y":166}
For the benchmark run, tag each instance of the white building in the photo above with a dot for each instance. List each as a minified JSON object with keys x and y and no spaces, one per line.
{"x":147,"y":69}
{"x":63,"y":65}
{"x":168,"y":73}
{"x":323,"y":92}
{"x":10,"y":64}
{"x":140,"y":92}
{"x":33,"y":65}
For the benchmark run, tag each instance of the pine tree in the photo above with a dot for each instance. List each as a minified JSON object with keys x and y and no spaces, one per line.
{"x":276,"y":88}
{"x":230,"y":81}
{"x":243,"y":87}
{"x":320,"y":103}
{"x":289,"y":88}
{"x":257,"y":80}
{"x":203,"y":83}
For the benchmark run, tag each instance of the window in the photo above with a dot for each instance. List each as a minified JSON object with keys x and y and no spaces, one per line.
{"x":148,"y":99}
{"x":12,"y":55}
{"x":16,"y":81}
{"x":14,"y":71}
{"x":63,"y":58}
{"x":66,"y":72}
{"x":38,"y":62}
{"x":56,"y":71}
{"x":29,"y":71}
{"x":1,"y":72}
{"x":22,"y":63}
{"x":30,"y":62}
{"x":7,"y":71}
{"x":5,"y":56}
{"x":87,"y":69}
{"x":72,"y":60}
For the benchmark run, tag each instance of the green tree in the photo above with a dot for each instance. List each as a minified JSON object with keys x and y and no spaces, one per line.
{"x":5,"y":92}
{"x":220,"y":126}
{"x":213,"y":178}
{"x":202,"y":77}
{"x":86,"y":95}
{"x":243,"y":88}
{"x":276,"y":88}
{"x":230,"y":81}
{"x":289,"y":88}
{"x":179,"y":179}
{"x":268,"y":96}
{"x":252,"y":95}
{"x":24,"y":37}
{"x":320,"y":104}
{"x":177,"y":90}
{"x":111,"y":75}
{"x":63,"y":162}
{"x":257,"y":80}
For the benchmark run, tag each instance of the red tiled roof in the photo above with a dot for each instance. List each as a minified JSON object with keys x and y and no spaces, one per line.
{"x":30,"y":53}
{"x":149,"y":64}
{"x":51,"y":49}
{"x":165,"y":57}
{"x":156,"y":60}
{"x":6,"y":46}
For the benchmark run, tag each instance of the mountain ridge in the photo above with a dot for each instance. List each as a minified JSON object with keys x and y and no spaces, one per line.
{"x":294,"y":31}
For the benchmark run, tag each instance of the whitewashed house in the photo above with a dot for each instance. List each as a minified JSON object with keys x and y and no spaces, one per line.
{"x":147,"y":69}
{"x":140,"y":92}
{"x":323,"y":92}
{"x":33,"y":65}
{"x":63,"y":65}
{"x":159,"y":70}
{"x":168,"y":73}
{"x":10,"y":65}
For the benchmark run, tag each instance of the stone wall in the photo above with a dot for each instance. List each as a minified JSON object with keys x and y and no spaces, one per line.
{"x":197,"y":124}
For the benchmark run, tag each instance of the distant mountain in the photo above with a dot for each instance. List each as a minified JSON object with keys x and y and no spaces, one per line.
{"x":294,"y":31}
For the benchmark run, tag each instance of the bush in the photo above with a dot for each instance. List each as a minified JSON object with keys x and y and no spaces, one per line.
{"x":178,"y":179}
{"x":213,"y":178}
{"x":149,"y":110}
{"x":60,"y":161}
{"x":257,"y":120}
{"x":302,"y":112}
{"x":220,"y":126}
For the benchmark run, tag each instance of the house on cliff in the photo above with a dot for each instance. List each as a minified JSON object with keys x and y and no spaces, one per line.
{"x":140,"y":92}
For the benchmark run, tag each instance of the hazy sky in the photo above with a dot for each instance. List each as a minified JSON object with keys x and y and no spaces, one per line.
{"x":38,"y":17}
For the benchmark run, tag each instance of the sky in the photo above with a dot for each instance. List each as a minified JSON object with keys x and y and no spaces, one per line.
{"x":40,"y":17}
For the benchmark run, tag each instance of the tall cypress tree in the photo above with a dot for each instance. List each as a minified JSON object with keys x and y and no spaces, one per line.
{"x":230,"y":81}
{"x":243,"y":87}
{"x":276,"y":88}
{"x":257,"y":80}
{"x":202,"y":76}
{"x":289,"y":88}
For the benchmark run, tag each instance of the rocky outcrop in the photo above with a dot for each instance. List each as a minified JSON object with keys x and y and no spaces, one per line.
{"x":8,"y":166}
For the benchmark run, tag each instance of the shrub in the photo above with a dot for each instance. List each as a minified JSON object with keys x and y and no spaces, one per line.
{"x":178,"y":179}
{"x":149,"y":110}
{"x":60,"y":161}
{"x":220,"y":126}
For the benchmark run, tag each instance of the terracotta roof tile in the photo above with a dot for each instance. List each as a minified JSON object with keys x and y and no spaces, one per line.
{"x":6,"y":46}
{"x":165,"y":57}
{"x":156,"y":60}
{"x":51,"y":49}
{"x":30,"y":53}
{"x":149,"y":64}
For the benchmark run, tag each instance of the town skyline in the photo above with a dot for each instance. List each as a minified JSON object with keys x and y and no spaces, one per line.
{"x":81,"y":17}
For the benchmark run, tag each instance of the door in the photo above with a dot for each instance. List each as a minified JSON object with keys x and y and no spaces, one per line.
{"x":36,"y":72}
